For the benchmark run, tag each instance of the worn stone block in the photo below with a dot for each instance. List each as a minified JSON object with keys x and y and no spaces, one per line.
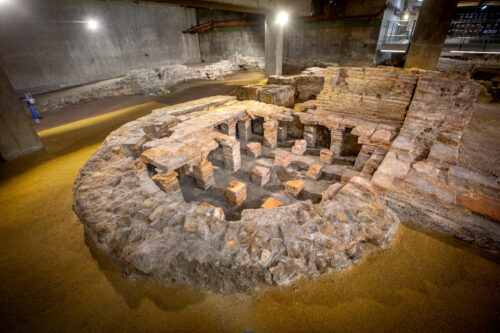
{"x":204,"y":174}
{"x":294,"y":187}
{"x":480,"y":204}
{"x":260,"y":175}
{"x":326,"y":156}
{"x":314,"y":171}
{"x":168,"y":182}
{"x":299,"y":148}
{"x":254,"y":149}
{"x":236,"y":192}
{"x":271,"y":203}
{"x":282,"y":157}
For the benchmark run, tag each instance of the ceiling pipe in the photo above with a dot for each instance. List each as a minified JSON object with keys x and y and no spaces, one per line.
{"x":322,"y":17}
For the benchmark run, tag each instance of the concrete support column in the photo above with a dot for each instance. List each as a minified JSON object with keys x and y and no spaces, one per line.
{"x":232,"y":157}
{"x":245,"y":130}
{"x":271,"y":133}
{"x":17,"y":136}
{"x":229,"y":129}
{"x":204,"y":174}
{"x":363,"y":156}
{"x":430,"y":32}
{"x":337,"y":140}
{"x":273,"y":46}
{"x":310,"y":135}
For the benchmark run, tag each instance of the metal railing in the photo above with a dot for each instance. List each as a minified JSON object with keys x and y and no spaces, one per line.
{"x":399,"y":32}
{"x":474,"y":36}
{"x":464,"y":36}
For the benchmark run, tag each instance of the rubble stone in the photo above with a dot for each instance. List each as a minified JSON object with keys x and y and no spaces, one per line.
{"x":283,"y":157}
{"x":326,"y":156}
{"x":254,"y":149}
{"x":271,"y":203}
{"x":260,"y":175}
{"x":294,"y":187}
{"x":236,"y":192}
{"x":299,"y":148}
{"x":314,"y":171}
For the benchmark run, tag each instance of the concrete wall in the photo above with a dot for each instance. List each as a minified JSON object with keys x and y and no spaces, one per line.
{"x":42,"y":49}
{"x":222,"y":43}
{"x":347,"y":42}
{"x":17,"y":136}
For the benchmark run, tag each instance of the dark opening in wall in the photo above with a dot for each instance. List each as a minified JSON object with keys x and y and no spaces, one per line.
{"x":351,"y":145}
{"x":323,"y":137}
{"x":258,"y":126}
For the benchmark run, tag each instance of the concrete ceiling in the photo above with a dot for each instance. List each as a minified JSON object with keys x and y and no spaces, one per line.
{"x":294,"y":7}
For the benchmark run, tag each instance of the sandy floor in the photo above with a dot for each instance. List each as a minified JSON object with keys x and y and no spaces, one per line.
{"x":53,"y":279}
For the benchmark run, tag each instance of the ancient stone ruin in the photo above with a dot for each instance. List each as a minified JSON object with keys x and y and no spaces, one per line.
{"x":229,"y":193}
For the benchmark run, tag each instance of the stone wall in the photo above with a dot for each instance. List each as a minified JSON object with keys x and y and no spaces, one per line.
{"x":420,"y":172}
{"x":155,"y":82}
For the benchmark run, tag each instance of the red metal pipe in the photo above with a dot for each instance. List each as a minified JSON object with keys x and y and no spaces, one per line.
{"x":213,"y":24}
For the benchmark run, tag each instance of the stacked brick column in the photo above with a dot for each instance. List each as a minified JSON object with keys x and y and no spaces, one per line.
{"x":310,"y":135}
{"x":232,"y":158}
{"x":337,"y":141}
{"x":229,"y":129}
{"x":204,"y":174}
{"x":363,"y":156}
{"x":168,"y":182}
{"x":245,"y":130}
{"x":271,"y":133}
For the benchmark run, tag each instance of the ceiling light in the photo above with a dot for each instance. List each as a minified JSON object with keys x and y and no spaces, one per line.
{"x":282,"y":18}
{"x":91,"y":24}
{"x":406,"y":16}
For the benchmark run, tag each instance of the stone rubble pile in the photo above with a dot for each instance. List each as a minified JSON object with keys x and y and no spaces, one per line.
{"x":155,"y":82}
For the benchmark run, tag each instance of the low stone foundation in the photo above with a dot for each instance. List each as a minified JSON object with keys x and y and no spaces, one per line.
{"x":269,"y":216}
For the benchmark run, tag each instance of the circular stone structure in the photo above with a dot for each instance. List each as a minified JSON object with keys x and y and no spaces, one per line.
{"x":128,"y":198}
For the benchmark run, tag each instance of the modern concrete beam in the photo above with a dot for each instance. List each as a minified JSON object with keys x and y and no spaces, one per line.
{"x":296,"y":7}
{"x":17,"y":136}
{"x":430,"y":33}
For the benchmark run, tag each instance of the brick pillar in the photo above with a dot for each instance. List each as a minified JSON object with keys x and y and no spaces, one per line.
{"x":363,"y":156}
{"x":168,"y":182}
{"x":271,"y":133}
{"x":245,"y":130}
{"x":232,"y":158}
{"x":204,"y":174}
{"x":310,"y":135}
{"x":229,"y":129}
{"x":337,"y":141}
{"x":282,"y":132}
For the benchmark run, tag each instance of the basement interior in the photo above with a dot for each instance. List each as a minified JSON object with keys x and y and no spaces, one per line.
{"x":250,"y":166}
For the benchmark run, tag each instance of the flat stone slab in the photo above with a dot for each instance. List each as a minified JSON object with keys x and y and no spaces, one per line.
{"x":271,"y":203}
